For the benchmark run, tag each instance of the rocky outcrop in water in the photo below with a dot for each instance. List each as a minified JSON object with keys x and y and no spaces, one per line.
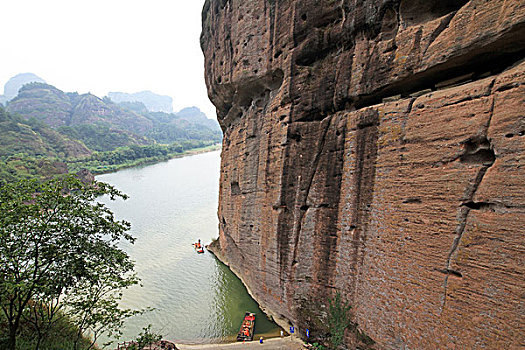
{"x":375,"y":148}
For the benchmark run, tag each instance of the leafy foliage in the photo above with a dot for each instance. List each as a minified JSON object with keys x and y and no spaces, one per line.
{"x":57,"y":333}
{"x":339,"y":319}
{"x":58,"y":249}
{"x":145,"y":339}
{"x":124,"y":157}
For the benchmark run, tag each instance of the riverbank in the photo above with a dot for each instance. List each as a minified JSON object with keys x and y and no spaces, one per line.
{"x":286,"y":343}
{"x":214,"y":248}
{"x":196,"y":299}
{"x":153,"y":160}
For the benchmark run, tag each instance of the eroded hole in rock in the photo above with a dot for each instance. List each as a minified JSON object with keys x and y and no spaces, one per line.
{"x":235,"y":188}
{"x":389,"y":24}
{"x":308,"y":56}
{"x":414,"y":12}
{"x":295,"y":136}
{"x":478,"y":151}
{"x":244,"y":98}
{"x":451,"y":272}
{"x":507,"y":87}
{"x":476,"y":205}
{"x":413,"y":200}
{"x":275,"y":80}
{"x":484,"y":156}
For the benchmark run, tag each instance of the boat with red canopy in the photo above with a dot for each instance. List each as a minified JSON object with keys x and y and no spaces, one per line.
{"x":247,"y":327}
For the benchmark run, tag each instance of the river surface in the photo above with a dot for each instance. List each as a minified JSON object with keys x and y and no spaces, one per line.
{"x":197,"y":299}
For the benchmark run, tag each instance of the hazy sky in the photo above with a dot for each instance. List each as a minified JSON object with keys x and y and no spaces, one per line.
{"x":99,"y":46}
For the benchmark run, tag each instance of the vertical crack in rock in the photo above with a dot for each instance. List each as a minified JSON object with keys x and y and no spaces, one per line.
{"x":478,"y":150}
{"x":405,"y":119}
{"x":272,"y":19}
{"x":231,"y":242}
{"x":343,"y":13}
{"x":282,"y":220}
{"x":302,"y":203}
{"x":364,"y":179}
{"x":283,"y":230}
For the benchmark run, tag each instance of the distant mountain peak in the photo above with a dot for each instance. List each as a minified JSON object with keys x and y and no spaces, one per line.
{"x":191,"y":112}
{"x":14,"y":84}
{"x":153,"y":102}
{"x":192,"y":109}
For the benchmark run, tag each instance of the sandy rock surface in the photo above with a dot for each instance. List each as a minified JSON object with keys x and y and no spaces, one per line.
{"x":375,"y":148}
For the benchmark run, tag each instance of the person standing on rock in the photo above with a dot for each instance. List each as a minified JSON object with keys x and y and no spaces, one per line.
{"x":261,"y":340}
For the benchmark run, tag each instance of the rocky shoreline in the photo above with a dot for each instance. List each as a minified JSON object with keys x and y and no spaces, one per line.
{"x":214,"y":248}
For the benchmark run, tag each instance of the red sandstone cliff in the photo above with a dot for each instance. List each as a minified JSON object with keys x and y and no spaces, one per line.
{"x":375,"y":148}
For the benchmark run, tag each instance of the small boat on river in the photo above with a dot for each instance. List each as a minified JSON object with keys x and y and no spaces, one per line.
{"x":199,"y":248}
{"x":247,"y":327}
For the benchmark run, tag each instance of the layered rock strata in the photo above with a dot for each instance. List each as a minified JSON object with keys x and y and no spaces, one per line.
{"x":375,"y":148}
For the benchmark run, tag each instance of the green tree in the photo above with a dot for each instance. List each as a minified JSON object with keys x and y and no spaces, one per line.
{"x":57,"y":242}
{"x":145,"y":339}
{"x":43,"y":316}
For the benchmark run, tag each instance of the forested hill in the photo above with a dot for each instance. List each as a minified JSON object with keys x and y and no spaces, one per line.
{"x":104,"y":125}
{"x":83,"y":130}
{"x":30,"y":148}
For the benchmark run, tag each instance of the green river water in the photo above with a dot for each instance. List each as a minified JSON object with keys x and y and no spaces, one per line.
{"x":197,"y":299}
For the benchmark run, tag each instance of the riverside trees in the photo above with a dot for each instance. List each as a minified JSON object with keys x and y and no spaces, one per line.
{"x":59,"y":254}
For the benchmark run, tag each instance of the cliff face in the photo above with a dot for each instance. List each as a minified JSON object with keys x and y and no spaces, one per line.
{"x":375,"y":148}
